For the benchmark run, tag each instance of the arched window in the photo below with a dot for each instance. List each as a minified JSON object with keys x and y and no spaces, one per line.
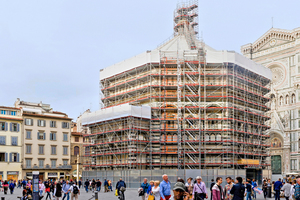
{"x":212,"y":137}
{"x":76,"y":150}
{"x":281,"y":100}
{"x":219,"y":138}
{"x":287,"y":99}
{"x":293,"y":98}
{"x":206,"y":137}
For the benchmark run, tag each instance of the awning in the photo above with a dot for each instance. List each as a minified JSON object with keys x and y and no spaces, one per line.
{"x":76,"y":175}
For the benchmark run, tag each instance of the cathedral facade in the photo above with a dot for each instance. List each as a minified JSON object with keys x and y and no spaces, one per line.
{"x":279,"y":50}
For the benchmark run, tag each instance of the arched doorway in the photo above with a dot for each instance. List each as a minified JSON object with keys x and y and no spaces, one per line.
{"x":276,"y":164}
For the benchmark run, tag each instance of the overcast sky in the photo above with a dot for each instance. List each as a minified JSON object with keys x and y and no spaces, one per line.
{"x":52,"y":51}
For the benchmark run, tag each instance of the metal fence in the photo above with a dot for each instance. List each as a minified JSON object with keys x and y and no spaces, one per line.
{"x":134,"y":178}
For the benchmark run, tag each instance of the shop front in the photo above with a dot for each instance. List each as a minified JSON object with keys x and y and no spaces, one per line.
{"x":62,"y":175}
{"x":12,"y":175}
{"x":53,"y":176}
{"x":41,"y":176}
{"x":1,"y":176}
{"x":29,"y":175}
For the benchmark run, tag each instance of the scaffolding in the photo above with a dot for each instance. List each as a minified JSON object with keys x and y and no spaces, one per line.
{"x":204,"y":115}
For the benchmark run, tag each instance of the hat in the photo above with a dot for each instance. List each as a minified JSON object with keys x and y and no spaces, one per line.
{"x":198,"y":177}
{"x":179,"y":186}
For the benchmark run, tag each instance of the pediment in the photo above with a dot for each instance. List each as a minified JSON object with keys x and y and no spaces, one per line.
{"x":273,"y":43}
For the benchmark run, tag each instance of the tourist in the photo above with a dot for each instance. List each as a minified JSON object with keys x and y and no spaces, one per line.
{"x":41,"y":188}
{"x":211,"y":186}
{"x":190,"y":186}
{"x":287,"y":190}
{"x":165,"y":188}
{"x":47,"y":189}
{"x":74,"y":190}
{"x":93,"y":185}
{"x":105,"y":185}
{"x":149,"y":191}
{"x":179,"y":192}
{"x":109,"y":185}
{"x":5,"y":186}
{"x":121,"y":187}
{"x":199,"y":191}
{"x":254,"y":186}
{"x":79,"y":183}
{"x":98,"y":185}
{"x":144,"y":187}
{"x":238,"y":190}
{"x":227,"y":189}
{"x":65,"y":190}
{"x":57,"y":191}
{"x":265,"y":188}
{"x":11,"y":186}
{"x":217,"y":190}
{"x":277,"y":187}
{"x":1,"y":186}
{"x":86,"y":184}
{"x":248,"y":190}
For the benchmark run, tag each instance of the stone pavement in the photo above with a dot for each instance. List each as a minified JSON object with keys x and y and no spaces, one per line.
{"x":130,"y":194}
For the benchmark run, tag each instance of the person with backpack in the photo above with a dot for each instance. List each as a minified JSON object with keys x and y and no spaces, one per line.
{"x":74,"y":190}
{"x":57,"y":191}
{"x":11,"y":187}
{"x":238,"y":190}
{"x":121,"y":187}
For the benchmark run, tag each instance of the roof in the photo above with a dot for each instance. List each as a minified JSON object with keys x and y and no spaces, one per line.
{"x":76,"y":133}
{"x":11,"y":118}
{"x":46,"y":116}
{"x":13,"y":108}
{"x":178,"y":44}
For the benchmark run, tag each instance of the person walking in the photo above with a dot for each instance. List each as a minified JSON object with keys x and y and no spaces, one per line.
{"x":249,"y":190}
{"x":265,"y":188}
{"x":86,"y":185}
{"x":155,"y":191}
{"x":144,"y":188}
{"x":165,"y":188}
{"x":47,"y":189}
{"x":98,"y":185}
{"x":179,"y":192}
{"x":41,"y":188}
{"x":238,"y":189}
{"x":105,"y":185}
{"x":227,"y":189}
{"x":5,"y":186}
{"x":277,"y":187}
{"x":254,"y":186}
{"x":286,"y":188}
{"x":57,"y":191}
{"x":292,"y":193}
{"x":74,"y":190}
{"x":211,"y":186}
{"x":93,"y":185}
{"x":121,"y":187}
{"x":190,"y":186}
{"x":149,"y":191}
{"x":297,"y":189}
{"x":199,"y":191}
{"x":12,"y":186}
{"x":79,"y":183}
{"x":65,"y":190}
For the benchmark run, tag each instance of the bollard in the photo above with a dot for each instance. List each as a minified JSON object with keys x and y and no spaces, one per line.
{"x":96,"y":195}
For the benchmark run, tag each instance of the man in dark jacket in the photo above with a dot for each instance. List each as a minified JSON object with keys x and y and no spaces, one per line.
{"x":211,"y":186}
{"x":277,"y":187}
{"x":121,"y":186}
{"x":238,"y":190}
{"x":87,"y":184}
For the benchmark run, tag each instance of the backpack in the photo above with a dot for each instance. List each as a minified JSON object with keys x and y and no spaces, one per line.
{"x":75,"y":189}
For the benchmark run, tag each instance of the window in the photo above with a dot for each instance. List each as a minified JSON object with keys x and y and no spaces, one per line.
{"x":41,"y":123}
{"x":52,"y":124}
{"x":3,"y":112}
{"x":65,"y":150}
{"x":76,"y":139}
{"x":41,"y":149}
{"x":13,"y":113}
{"x":28,"y":148}
{"x":65,"y":137}
{"x":28,"y":134}
{"x":65,"y":162}
{"x":2,"y":140}
{"x":13,"y":157}
{"x":52,"y":136}
{"x":28,"y":163}
{"x":14,"y":127}
{"x":76,"y":150}
{"x":41,"y":136}
{"x":53,"y":150}
{"x":3,"y":126}
{"x":53,"y":163}
{"x":41,"y":163}
{"x":293,"y":165}
{"x":65,"y":124}
{"x":3,"y":157}
{"x":29,"y":122}
{"x":14,"y":141}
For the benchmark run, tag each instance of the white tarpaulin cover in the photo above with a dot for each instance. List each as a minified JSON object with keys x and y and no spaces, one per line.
{"x":179,"y":43}
{"x":115,"y":112}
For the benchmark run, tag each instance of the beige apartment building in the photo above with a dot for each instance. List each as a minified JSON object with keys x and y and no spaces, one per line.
{"x":46,"y":141}
{"x":10,"y":143}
